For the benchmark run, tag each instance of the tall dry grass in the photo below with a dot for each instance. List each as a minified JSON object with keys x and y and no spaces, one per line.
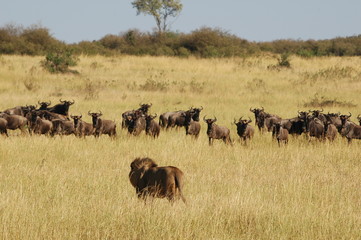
{"x":70,"y":188}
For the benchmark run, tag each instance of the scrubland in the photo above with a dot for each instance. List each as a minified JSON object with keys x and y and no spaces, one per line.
{"x":71,"y":188}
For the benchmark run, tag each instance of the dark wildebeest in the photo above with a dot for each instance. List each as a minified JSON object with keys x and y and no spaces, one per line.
{"x":144,"y":108}
{"x":62,"y":107}
{"x":44,"y":105}
{"x":316,"y":128}
{"x":15,"y":121}
{"x":192,"y":127}
{"x":149,"y":180}
{"x":330,"y":131}
{"x":281,"y":133}
{"x":136,"y":123}
{"x":258,"y":116}
{"x":102,"y":126}
{"x":82,"y":128}
{"x":3,"y":124}
{"x":244,"y":129}
{"x":62,"y":127}
{"x":152,"y":128}
{"x":217,"y":132}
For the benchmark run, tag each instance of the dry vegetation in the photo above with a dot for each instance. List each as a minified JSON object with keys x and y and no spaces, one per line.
{"x":70,"y":188}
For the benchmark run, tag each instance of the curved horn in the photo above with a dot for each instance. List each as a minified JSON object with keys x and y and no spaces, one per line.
{"x":150,"y":104}
{"x":240,"y":118}
{"x":250,"y":109}
{"x":358,"y":116}
{"x":39,"y":102}
{"x":61,"y":100}
{"x":100,"y":113}
{"x":250,"y":120}
{"x":89,"y":113}
{"x":49,"y":103}
{"x":215,"y":119}
{"x":155,"y":115}
{"x":262,"y":108}
{"x":234,"y":121}
{"x":71,"y":103}
{"x":201,"y":108}
{"x":204,"y":118}
{"x":349,"y":115}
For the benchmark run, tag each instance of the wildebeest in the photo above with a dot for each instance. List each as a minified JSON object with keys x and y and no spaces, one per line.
{"x":177,"y":119}
{"x":20,"y":110}
{"x":244,"y":129}
{"x":351,"y":131}
{"x":217,"y":132}
{"x":44,"y":105}
{"x":62,"y":127}
{"x":316,"y":128}
{"x":38,"y":125}
{"x":62,"y":107}
{"x":192,"y":127}
{"x":281,"y":134}
{"x":136,"y":123}
{"x":82,"y":128}
{"x":3,"y":124}
{"x":259,"y":120}
{"x":143,"y":108}
{"x":102,"y":126}
{"x":149,"y":180}
{"x":163,"y":118}
{"x":330,"y":131}
{"x":51,"y":115}
{"x":15,"y":121}
{"x":152,"y":128}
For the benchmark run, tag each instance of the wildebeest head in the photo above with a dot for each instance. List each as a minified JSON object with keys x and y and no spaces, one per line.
{"x":95,"y":116}
{"x":148,"y":119}
{"x":44,"y":105}
{"x":241,"y":125}
{"x":344,"y":118}
{"x":76,"y":119}
{"x":195,"y":113}
{"x":256,"y":112}
{"x":144,"y":107}
{"x":209,"y":121}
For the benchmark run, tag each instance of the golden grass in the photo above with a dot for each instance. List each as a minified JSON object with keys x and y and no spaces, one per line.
{"x":70,"y":188}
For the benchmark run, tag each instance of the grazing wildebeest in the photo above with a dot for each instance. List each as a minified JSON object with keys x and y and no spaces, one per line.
{"x":144,"y":108}
{"x":62,"y":127}
{"x":62,"y":107}
{"x":149,"y":180}
{"x":3,"y":124}
{"x":136,"y":123}
{"x":82,"y":128}
{"x":192,"y":127}
{"x":330,"y":131}
{"x":316,"y":128}
{"x":15,"y":121}
{"x":44,"y":105}
{"x":152,"y":128}
{"x":102,"y":126}
{"x":217,"y":132}
{"x":281,"y":134}
{"x":244,"y":129}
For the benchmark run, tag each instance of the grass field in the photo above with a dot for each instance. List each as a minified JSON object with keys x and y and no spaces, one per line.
{"x":71,"y":188}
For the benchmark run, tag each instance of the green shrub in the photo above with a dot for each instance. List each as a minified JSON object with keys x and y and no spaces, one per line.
{"x":59,"y":62}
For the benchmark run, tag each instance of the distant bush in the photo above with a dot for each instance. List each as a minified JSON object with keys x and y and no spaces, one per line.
{"x":59,"y":62}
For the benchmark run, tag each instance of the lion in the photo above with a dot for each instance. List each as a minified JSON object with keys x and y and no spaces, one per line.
{"x":150,"y":180}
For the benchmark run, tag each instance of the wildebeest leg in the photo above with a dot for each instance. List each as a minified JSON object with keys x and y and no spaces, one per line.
{"x":279,"y":144}
{"x":210,"y":140}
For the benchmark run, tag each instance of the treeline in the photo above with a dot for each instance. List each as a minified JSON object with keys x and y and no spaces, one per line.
{"x":204,"y":42}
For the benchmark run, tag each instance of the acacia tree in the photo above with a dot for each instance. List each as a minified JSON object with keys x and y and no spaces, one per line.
{"x":161,"y":10}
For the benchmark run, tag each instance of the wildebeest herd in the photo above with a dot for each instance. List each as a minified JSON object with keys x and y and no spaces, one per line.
{"x":55,"y":120}
{"x":148,"y":179}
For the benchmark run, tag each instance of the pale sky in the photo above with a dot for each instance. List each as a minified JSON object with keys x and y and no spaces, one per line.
{"x":73,"y":21}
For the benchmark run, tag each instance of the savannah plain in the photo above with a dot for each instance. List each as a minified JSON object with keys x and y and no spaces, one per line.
{"x":71,"y":188}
